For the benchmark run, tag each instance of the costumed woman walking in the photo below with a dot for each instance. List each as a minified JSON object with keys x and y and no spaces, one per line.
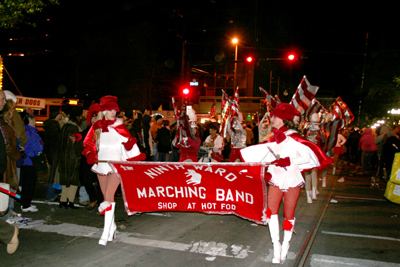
{"x":313,"y":134}
{"x":109,"y":139}
{"x":238,"y":138}
{"x":188,"y":147}
{"x":289,"y":155}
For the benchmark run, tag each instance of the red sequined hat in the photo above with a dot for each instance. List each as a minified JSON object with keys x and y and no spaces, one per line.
{"x":285,"y":111}
{"x":109,"y":102}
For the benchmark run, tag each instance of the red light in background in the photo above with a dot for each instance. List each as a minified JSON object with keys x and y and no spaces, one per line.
{"x":291,"y":57}
{"x":186,"y":91}
{"x":249,"y":59}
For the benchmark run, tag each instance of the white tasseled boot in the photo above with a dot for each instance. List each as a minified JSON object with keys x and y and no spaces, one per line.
{"x":314,"y":193}
{"x":109,"y":224}
{"x":274,"y":232}
{"x":288,"y":226}
{"x":309,"y":199}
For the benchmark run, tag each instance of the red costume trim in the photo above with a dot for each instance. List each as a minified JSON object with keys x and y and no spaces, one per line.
{"x":106,"y":209}
{"x":323,"y":159}
{"x":287,"y":225}
{"x":103,"y":124}
{"x":122,"y":130}
{"x":268,"y":213}
{"x":279,"y":135}
{"x":267,"y":177}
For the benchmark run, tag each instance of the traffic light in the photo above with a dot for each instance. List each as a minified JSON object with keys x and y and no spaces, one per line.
{"x":291,"y":57}
{"x":249,"y":59}
{"x":186,"y":91}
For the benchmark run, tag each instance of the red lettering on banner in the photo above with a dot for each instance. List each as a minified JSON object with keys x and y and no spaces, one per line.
{"x":216,"y":188}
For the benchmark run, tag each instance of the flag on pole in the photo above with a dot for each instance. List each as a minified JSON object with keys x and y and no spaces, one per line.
{"x":213,"y":111}
{"x":183,"y":126}
{"x":234,"y":108}
{"x":175,"y":109}
{"x":235,"y":104}
{"x":315,"y":107}
{"x":270,"y":101}
{"x":331,"y":130}
{"x":304,"y":95}
{"x":225,"y":112}
{"x":340,"y":110}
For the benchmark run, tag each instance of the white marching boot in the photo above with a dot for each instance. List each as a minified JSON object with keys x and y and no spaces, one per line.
{"x":288,"y":226}
{"x":308,"y":193}
{"x":109,"y":225}
{"x":274,"y":232}
{"x":314,"y":193}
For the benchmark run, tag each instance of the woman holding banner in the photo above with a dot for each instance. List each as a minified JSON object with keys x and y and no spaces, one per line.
{"x":109,"y":139}
{"x":288,"y":154}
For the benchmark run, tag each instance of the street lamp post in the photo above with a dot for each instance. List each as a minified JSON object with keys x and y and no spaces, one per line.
{"x":235,"y":41}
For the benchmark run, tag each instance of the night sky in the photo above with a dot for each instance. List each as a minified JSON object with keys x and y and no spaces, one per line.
{"x":123,"y":46}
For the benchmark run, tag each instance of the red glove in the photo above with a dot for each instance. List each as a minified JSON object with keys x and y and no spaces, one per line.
{"x":91,"y":158}
{"x":140,"y":157}
{"x":267,"y":177}
{"x":129,"y":144}
{"x":282,"y":162}
{"x":78,"y":137}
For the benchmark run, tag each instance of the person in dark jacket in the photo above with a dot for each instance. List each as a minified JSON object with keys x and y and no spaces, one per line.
{"x":67,"y":160}
{"x":52,"y":130}
{"x":10,"y":176}
{"x":8,"y":233}
{"x":146,"y":134}
{"x":163,"y":140}
{"x":137,"y":132}
{"x":87,"y":178}
{"x":33,"y":148}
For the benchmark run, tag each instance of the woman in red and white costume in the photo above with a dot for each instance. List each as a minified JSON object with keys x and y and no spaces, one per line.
{"x":188,"y":147}
{"x":109,"y":139}
{"x":295,"y":154}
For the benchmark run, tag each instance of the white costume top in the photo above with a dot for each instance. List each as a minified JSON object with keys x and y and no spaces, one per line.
{"x":238,"y":140}
{"x":218,"y":143}
{"x":111,"y":148}
{"x":301,"y":158}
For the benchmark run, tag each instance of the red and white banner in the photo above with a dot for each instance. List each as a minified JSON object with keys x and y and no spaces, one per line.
{"x":215,"y":188}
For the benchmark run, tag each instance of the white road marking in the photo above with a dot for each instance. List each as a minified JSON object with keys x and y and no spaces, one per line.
{"x":318,"y":260}
{"x":363,"y":236}
{"x":362,"y":198}
{"x":211,"y":249}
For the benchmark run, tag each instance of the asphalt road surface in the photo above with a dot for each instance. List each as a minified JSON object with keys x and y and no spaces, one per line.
{"x":350,"y":224}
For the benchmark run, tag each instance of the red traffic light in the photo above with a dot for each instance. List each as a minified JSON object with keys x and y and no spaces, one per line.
{"x":249,"y":59}
{"x":291,"y":57}
{"x":185,"y":91}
